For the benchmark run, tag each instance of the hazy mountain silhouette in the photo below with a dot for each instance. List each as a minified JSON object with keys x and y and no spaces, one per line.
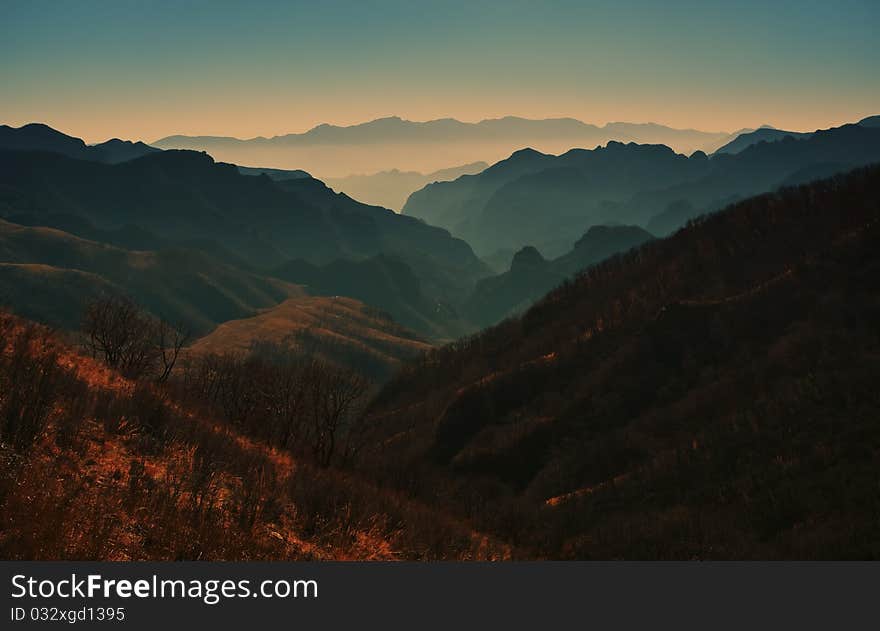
{"x":184,"y":201}
{"x":708,"y":395}
{"x":396,"y":129}
{"x":276,"y":174}
{"x":181,"y":196}
{"x":534,"y":198}
{"x":392,"y":188}
{"x":764,"y":134}
{"x":545,"y":200}
{"x":39,"y":137}
{"x":531,"y":276}
{"x":762,"y":167}
{"x":331,"y":151}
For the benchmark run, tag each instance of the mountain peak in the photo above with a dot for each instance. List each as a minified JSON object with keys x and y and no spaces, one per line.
{"x":525,"y":152}
{"x":527,"y":258}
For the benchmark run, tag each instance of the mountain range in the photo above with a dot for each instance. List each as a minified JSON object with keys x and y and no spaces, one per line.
{"x":39,"y":137}
{"x":532,"y":198}
{"x":273,"y":226}
{"x":185,"y":202}
{"x":762,"y":134}
{"x":708,"y":393}
{"x":330,"y":151}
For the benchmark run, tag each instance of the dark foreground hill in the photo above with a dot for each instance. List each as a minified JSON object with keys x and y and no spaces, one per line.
{"x":99,"y":467}
{"x":709,"y":395}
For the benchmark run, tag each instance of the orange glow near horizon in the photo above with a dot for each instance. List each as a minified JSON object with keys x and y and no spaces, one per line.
{"x":97,"y":126}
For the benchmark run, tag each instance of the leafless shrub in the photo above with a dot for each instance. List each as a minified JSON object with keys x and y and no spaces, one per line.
{"x":125,"y":337}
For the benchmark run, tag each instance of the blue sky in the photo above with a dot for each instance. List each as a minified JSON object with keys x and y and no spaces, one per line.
{"x":149,"y":69}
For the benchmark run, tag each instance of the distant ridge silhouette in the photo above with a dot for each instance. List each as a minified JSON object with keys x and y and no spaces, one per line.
{"x":332,"y":151}
{"x":533,"y":198}
{"x":40,"y":137}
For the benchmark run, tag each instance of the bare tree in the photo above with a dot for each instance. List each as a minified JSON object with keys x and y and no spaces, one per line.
{"x":169,"y":341}
{"x":308,"y":406}
{"x":335,"y":395}
{"x":125,"y":337}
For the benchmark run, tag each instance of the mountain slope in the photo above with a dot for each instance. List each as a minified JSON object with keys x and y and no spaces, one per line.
{"x":764,"y":134}
{"x":539,"y":199}
{"x":186,"y":287}
{"x":762,"y":167}
{"x":181,"y":479}
{"x":531,"y":276}
{"x":338,"y":330}
{"x":183,"y":196}
{"x":544,"y":200}
{"x":386,"y":283}
{"x":709,"y":395}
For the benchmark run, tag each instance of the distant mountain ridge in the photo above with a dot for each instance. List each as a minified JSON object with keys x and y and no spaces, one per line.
{"x":532,"y":198}
{"x":171,"y":199}
{"x":276,"y":174}
{"x":40,"y":137}
{"x":763,"y":134}
{"x":395,"y":128}
{"x":331,"y":151}
{"x":184,"y":194}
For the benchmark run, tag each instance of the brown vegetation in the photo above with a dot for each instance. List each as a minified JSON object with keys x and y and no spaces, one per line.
{"x":706,"y":396}
{"x":339,"y":330}
{"x":710,"y":395}
{"x":97,"y":466}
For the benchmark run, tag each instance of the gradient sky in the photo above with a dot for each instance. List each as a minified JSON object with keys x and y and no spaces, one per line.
{"x":144,"y":70}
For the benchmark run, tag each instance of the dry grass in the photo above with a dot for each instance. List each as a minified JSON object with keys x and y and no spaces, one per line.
{"x":120,"y":471}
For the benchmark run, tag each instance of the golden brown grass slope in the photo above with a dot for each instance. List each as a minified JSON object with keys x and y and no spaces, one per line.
{"x":95,"y":466}
{"x":337,"y":329}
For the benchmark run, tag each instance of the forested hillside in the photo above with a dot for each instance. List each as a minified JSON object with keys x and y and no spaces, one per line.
{"x":709,"y":395}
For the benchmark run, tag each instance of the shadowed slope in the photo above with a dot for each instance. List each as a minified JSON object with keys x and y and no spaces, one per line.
{"x":709,"y":395}
{"x":531,"y":276}
{"x":187,"y":287}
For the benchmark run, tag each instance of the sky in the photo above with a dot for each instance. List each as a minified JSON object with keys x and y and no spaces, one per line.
{"x":145,"y":70}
